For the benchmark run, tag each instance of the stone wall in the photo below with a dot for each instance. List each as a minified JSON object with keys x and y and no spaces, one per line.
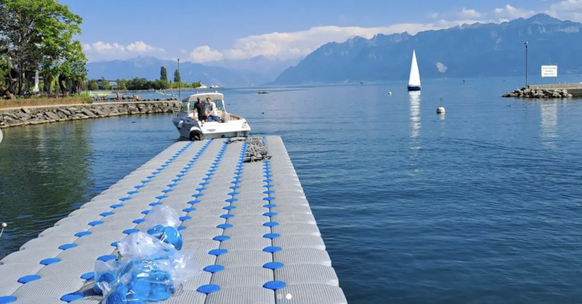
{"x":37,"y":115}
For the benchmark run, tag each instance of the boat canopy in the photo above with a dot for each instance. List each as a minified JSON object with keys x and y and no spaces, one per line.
{"x":217,"y":98}
{"x":213,"y":96}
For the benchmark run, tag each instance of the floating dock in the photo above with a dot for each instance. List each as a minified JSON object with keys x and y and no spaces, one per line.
{"x":250,"y":224}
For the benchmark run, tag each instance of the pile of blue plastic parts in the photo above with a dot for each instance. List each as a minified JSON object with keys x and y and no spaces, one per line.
{"x":150,"y":266}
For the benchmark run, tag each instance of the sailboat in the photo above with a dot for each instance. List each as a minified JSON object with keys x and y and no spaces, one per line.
{"x":414,"y":80}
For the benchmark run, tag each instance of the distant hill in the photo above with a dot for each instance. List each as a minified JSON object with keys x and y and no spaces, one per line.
{"x":267,"y":68}
{"x":149,"y":67}
{"x":463,"y":51}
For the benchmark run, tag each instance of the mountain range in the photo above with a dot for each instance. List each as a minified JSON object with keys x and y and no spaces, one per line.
{"x":463,"y":51}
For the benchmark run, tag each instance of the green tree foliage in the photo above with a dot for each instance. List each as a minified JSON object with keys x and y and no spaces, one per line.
{"x":163,"y":74}
{"x":142,"y":84}
{"x":177,"y":77}
{"x":196,"y":84}
{"x":121,"y":84}
{"x":38,"y":34}
{"x":105,"y":84}
{"x":93,"y":85}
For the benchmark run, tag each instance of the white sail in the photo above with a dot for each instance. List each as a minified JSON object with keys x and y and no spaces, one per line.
{"x":414,"y":80}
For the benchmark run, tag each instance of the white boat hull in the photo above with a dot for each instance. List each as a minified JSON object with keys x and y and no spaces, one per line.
{"x":195,"y":130}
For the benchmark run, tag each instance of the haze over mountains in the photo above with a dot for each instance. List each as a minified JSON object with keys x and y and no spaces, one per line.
{"x":149,"y":67}
{"x":463,"y":51}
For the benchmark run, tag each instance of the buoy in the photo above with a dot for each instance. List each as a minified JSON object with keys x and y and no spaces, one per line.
{"x":389,"y":93}
{"x":4,"y":225}
{"x":440,"y":110}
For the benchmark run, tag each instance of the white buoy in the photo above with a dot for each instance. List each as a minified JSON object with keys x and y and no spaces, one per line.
{"x":440,"y":109}
{"x":389,"y":93}
{"x":4,"y":225}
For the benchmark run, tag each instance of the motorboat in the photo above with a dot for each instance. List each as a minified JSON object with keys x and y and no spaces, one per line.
{"x":191,"y":127}
{"x":263,"y":92}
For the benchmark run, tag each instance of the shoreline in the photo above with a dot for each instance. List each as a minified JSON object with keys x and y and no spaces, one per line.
{"x":33,"y":115}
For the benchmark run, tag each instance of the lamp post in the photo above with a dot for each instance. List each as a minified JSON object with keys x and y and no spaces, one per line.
{"x":526,"y":63}
{"x":179,"y":82}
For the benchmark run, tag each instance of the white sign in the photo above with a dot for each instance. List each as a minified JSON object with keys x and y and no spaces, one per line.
{"x":549,"y":71}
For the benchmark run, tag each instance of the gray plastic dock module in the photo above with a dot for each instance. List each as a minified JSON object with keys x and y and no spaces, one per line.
{"x":250,"y":223}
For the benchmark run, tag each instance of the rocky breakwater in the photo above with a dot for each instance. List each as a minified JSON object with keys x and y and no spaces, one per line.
{"x":37,"y":115}
{"x":539,"y":93}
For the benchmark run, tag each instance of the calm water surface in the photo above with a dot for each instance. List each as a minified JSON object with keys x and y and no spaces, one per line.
{"x":480,"y":206}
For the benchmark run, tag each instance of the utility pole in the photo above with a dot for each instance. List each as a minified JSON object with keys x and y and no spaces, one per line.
{"x":526,"y":63}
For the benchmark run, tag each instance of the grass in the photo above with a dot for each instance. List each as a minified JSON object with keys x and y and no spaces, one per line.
{"x":44,"y":101}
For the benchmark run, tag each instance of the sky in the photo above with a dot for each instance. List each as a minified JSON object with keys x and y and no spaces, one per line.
{"x":234,"y":30}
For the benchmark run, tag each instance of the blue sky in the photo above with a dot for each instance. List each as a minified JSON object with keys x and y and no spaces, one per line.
{"x":282,"y":30}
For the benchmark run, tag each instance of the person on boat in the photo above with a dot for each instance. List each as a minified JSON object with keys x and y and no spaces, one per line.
{"x":200,"y":109}
{"x":211,"y":114}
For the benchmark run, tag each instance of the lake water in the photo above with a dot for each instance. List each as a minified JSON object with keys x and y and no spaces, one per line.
{"x":482,"y":205}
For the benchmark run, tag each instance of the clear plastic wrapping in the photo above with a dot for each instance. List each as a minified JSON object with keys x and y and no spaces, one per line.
{"x":162,"y":222}
{"x":149,"y":271}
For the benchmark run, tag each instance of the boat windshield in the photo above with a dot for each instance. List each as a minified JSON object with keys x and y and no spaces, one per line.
{"x":187,"y":106}
{"x":219,"y":104}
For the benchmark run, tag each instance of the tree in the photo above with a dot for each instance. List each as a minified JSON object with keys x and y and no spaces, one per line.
{"x":105,"y":84}
{"x":38,"y":34}
{"x":121,"y":84}
{"x":93,"y":85}
{"x":177,"y":77}
{"x":163,"y":74}
{"x":77,"y":61}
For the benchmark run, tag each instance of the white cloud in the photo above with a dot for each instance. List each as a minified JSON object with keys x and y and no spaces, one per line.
{"x":567,"y":5}
{"x":441,"y":67}
{"x":204,"y":53}
{"x":570,"y":9}
{"x":509,"y":13}
{"x":106,"y":51}
{"x":469,"y":13}
{"x":432,"y":15}
{"x":142,"y":47}
{"x":298,"y":44}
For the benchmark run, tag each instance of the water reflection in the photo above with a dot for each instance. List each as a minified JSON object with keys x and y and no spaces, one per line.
{"x":43,"y":175}
{"x":549,"y":123}
{"x":414,"y":114}
{"x":413,"y":157}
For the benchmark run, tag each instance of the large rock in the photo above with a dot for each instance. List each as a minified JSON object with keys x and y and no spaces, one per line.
{"x":64,"y":111}
{"x":87,"y":112}
{"x":52,"y":116}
